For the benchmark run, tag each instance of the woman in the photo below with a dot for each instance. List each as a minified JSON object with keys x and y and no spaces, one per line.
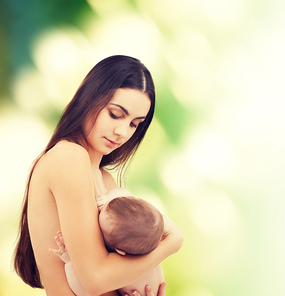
{"x":102,"y":126}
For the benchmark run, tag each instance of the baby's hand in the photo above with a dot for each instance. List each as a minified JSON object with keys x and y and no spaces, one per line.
{"x":101,"y":200}
{"x":61,"y":252}
{"x":118,"y":192}
{"x":168,"y":226}
{"x":113,"y":193}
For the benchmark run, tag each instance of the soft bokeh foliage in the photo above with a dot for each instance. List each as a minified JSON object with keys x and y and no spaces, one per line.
{"x":213,"y":159}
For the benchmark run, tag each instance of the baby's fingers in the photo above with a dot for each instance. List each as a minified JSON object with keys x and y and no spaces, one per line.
{"x":59,"y":241}
{"x":100,"y":203}
{"x":100,"y":206}
{"x":59,"y":235}
{"x":55,"y":252}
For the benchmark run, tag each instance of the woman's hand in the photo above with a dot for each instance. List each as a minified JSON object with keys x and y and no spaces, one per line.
{"x":148,"y":291}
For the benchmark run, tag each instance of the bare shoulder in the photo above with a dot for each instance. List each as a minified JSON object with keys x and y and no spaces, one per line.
{"x":108,"y":179}
{"x":66,"y":152}
{"x":65,"y":158}
{"x":67,"y":149}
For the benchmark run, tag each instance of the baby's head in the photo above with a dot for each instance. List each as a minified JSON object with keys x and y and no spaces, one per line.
{"x":131,"y":225}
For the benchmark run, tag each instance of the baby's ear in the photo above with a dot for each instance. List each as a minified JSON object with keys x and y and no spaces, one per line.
{"x":120,"y":252}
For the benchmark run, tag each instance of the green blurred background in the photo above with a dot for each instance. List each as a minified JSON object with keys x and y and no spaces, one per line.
{"x":213,"y":159}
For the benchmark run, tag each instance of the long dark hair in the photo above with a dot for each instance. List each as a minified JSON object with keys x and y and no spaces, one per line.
{"x":94,"y":93}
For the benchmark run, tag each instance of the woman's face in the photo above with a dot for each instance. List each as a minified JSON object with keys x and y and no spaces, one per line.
{"x":118,"y":121}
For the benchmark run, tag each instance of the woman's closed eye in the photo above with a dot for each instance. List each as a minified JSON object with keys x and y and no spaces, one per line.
{"x":114,"y":116}
{"x":136,"y":123}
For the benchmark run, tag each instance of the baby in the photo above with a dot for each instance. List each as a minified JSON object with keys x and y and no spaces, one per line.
{"x":129,"y":225}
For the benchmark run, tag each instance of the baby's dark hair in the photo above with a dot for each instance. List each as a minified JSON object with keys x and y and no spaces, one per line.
{"x":138,"y":226}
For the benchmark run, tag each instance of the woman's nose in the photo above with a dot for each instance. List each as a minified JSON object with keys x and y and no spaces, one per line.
{"x":121,"y":130}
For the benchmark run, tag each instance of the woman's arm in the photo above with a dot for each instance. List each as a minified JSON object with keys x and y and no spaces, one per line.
{"x":153,"y":280}
{"x":71,"y":276}
{"x":71,"y":183}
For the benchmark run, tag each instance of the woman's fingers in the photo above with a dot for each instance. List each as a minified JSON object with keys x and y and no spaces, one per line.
{"x":161,"y":290}
{"x":148,"y":291}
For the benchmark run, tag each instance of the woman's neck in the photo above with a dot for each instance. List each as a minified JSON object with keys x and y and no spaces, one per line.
{"x":99,"y":183}
{"x":95,"y":159}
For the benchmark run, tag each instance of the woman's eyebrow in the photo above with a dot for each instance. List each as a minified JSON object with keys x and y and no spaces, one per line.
{"x":126,"y":111}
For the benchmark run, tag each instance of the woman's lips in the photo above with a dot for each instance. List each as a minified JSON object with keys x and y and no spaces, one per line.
{"x":111,"y":143}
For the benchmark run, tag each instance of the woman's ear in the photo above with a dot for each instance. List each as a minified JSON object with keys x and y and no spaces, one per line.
{"x":120,"y":252}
